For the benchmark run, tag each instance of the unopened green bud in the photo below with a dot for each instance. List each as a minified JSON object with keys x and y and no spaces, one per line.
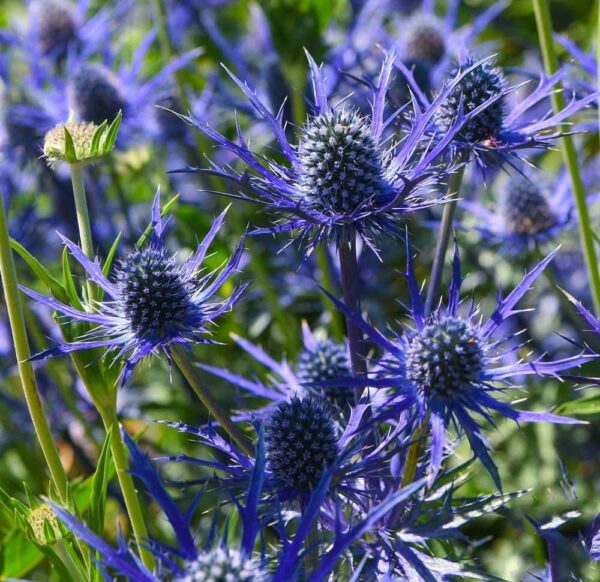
{"x":44,"y":525}
{"x":80,"y":142}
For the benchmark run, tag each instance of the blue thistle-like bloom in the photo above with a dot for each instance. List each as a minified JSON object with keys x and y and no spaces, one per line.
{"x":529,"y":210}
{"x":423,"y":38}
{"x":346,"y":175}
{"x":154,"y":302}
{"x":481,"y":84}
{"x":496,"y":133}
{"x":300,"y":442}
{"x":320,"y":371}
{"x":55,"y":25}
{"x":223,"y":564}
{"x":452,"y":365}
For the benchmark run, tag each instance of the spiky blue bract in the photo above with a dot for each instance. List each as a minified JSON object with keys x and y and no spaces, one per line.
{"x":153,"y":301}
{"x":452,"y":362}
{"x":346,"y":175}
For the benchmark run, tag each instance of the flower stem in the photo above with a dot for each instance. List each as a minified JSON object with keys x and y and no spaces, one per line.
{"x":214,"y":408}
{"x":132,"y":502}
{"x":22,"y":352}
{"x":351,"y":289}
{"x":311,"y":550}
{"x":414,"y":452}
{"x":83,"y":220}
{"x":544,"y":25}
{"x":443,"y":238}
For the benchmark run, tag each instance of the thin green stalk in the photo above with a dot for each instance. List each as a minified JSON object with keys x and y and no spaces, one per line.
{"x":83,"y":220}
{"x":414,"y":452}
{"x":443,"y":240}
{"x":188,"y":370}
{"x":26,"y":373}
{"x":132,"y":501}
{"x":545,"y":31}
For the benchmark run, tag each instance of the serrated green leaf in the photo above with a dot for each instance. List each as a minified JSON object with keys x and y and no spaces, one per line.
{"x":583,"y":406}
{"x":56,"y":288}
{"x":70,"y":154}
{"x":68,"y":281}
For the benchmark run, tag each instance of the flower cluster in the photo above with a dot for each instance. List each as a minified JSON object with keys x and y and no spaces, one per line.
{"x":213,"y":403}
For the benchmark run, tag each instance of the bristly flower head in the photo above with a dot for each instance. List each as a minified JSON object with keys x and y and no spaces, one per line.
{"x":496,"y":133}
{"x":223,"y":564}
{"x":453,"y":366}
{"x":320,"y":371}
{"x":300,"y":441}
{"x":154,"y":302}
{"x":529,"y":210}
{"x":324,"y":362}
{"x":481,"y":84}
{"x":346,"y":175}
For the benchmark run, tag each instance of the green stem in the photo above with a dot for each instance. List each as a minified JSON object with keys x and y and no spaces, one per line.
{"x":22,"y":352}
{"x":414,"y":452}
{"x":214,"y":408}
{"x":544,"y":25}
{"x":132,"y":502}
{"x":443,"y":238}
{"x":83,"y":220}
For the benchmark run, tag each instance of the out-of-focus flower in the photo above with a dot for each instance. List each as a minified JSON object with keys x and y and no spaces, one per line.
{"x":154,"y":302}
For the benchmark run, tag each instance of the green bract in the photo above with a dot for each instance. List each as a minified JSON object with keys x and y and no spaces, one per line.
{"x":80,"y":142}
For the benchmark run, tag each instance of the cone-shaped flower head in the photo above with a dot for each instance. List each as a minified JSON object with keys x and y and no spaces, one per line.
{"x":154,"y":302}
{"x":300,"y":440}
{"x":342,"y":166}
{"x":223,"y":564}
{"x":525,"y":207}
{"x":444,"y":358}
{"x":474,"y":90}
{"x":96,"y":93}
{"x":323,"y":363}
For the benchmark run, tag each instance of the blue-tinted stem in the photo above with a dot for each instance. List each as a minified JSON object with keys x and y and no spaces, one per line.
{"x":443,"y":240}
{"x":545,"y":32}
{"x":351,"y":290}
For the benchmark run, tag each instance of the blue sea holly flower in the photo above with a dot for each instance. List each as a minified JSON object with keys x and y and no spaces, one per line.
{"x":346,"y":175}
{"x":320,"y":363}
{"x":153,"y":301}
{"x":528,"y":211}
{"x":452,"y":364}
{"x":218,"y":561}
{"x":498,"y":133}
